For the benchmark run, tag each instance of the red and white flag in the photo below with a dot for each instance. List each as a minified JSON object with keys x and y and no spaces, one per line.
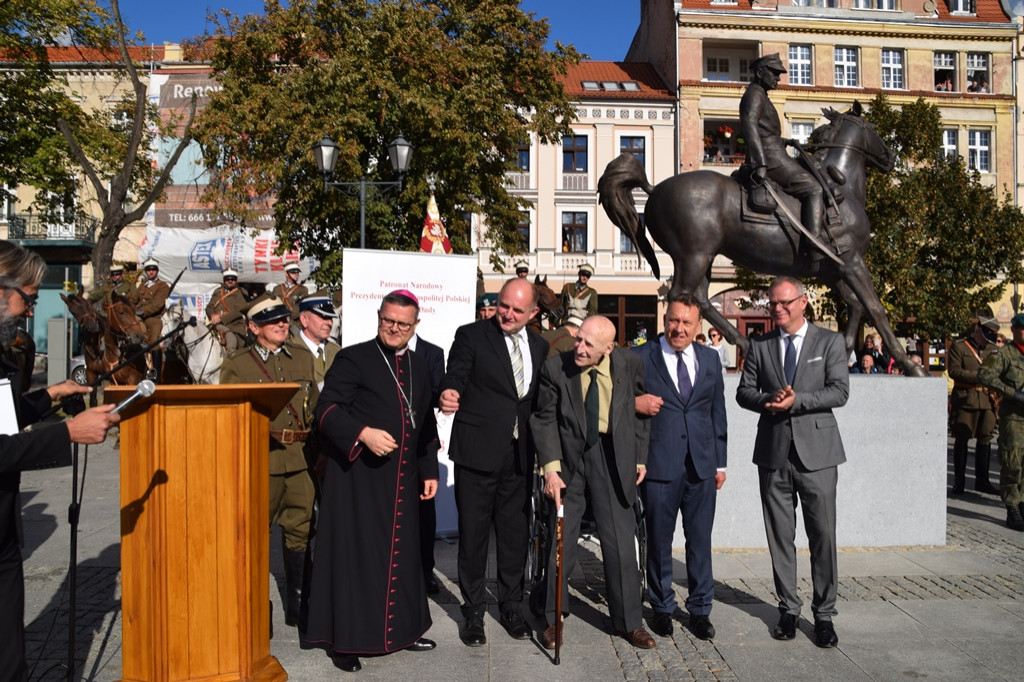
{"x":434,"y":238}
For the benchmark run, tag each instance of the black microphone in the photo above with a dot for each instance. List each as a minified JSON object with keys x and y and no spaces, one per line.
{"x":192,"y":321}
{"x":143,"y":390}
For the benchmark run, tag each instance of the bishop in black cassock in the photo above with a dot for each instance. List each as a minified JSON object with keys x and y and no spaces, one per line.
{"x":368,"y":594}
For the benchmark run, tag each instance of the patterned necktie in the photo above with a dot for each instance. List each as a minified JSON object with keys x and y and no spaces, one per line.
{"x":520,"y":376}
{"x":683,"y":377}
{"x":592,"y":408}
{"x":789,"y":364}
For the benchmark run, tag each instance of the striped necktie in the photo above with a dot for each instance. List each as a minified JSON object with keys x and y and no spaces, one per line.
{"x":519,"y":372}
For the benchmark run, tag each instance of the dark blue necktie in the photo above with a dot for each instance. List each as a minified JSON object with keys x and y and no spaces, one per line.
{"x":789,"y":365}
{"x":592,"y":407}
{"x":683,"y":377}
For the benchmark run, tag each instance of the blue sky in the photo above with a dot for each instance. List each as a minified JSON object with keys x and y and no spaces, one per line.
{"x":603,"y":29}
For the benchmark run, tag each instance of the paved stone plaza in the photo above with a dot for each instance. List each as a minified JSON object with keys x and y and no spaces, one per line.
{"x":939,"y":613}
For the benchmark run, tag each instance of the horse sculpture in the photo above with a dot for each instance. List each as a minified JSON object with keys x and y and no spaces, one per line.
{"x":550,"y":304}
{"x":695,"y":216}
{"x":202,"y":352}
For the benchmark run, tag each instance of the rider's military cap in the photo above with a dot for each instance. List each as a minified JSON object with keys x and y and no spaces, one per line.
{"x":116,"y":269}
{"x":587,"y":269}
{"x":770,"y":61}
{"x":522,"y":266}
{"x":292,"y":266}
{"x":321,"y":305}
{"x":150,"y":263}
{"x":229,"y":273}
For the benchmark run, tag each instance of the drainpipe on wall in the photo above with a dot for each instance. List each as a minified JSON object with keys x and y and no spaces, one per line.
{"x":677,"y":7}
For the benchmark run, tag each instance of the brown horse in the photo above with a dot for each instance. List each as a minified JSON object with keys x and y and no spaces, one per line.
{"x":550,"y":305}
{"x":124,"y":335}
{"x":91,"y":325}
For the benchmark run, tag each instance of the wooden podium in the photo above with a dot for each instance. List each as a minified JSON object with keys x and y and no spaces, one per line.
{"x":195,"y":539}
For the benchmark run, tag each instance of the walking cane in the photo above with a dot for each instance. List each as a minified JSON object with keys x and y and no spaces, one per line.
{"x":558,"y":582}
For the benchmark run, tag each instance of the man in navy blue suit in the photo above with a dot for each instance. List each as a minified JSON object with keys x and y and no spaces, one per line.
{"x":685,"y":462}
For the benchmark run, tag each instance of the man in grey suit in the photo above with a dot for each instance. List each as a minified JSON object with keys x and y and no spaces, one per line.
{"x":589,"y":438}
{"x":794,"y":376}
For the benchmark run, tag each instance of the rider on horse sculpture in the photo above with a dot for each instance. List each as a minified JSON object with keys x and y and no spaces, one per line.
{"x":767,"y":156}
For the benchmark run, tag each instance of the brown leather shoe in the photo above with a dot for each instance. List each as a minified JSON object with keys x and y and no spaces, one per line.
{"x":547,"y":638}
{"x":639,"y":638}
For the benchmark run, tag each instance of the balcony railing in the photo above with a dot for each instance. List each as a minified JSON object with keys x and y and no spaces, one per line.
{"x":32,"y":227}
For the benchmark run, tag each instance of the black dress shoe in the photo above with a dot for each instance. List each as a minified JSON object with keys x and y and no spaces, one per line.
{"x":786,"y":629}
{"x":347,"y":662}
{"x":661,"y":624}
{"x":422,"y":644}
{"x":515,"y":625}
{"x":702,"y":627}
{"x":825,"y":634}
{"x":473,"y":630}
{"x":986,"y":488}
{"x":433,"y":587}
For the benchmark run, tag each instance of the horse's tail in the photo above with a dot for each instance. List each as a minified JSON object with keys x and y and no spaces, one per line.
{"x":615,"y":193}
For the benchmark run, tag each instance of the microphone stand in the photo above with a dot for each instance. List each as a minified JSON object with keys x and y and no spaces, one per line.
{"x":75,"y":508}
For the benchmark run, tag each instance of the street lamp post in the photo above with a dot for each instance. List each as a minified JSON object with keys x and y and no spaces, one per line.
{"x":399,"y":153}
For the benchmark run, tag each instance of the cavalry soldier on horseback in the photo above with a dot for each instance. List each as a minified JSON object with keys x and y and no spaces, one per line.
{"x":767,"y":156}
{"x":226,"y":311}
{"x":579,"y":297}
{"x":291,"y":291}
{"x":149,"y":296}
{"x":115,"y":286}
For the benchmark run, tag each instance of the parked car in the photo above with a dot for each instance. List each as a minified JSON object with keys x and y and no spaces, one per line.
{"x":78,"y":372}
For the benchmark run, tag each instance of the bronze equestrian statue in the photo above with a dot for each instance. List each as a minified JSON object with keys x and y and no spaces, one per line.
{"x":695,"y":216}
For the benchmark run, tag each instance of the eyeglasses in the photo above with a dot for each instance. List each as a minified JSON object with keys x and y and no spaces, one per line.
{"x":388,"y":322}
{"x":30,"y":301}
{"x":784,"y":304}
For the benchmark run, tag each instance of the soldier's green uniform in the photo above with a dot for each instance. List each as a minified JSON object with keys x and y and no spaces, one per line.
{"x":974,"y":414}
{"x":1003,"y":372}
{"x":108,"y":290}
{"x":291,"y":490}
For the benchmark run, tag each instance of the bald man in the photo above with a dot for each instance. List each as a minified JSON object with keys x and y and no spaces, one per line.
{"x":589,"y":438}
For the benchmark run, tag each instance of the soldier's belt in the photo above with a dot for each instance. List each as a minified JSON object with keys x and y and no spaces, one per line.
{"x":286,"y":436}
{"x":968,"y":387}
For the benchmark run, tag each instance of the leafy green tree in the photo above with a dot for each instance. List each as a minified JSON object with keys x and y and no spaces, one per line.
{"x":944,"y":243}
{"x":48,"y":141}
{"x":466,"y":81}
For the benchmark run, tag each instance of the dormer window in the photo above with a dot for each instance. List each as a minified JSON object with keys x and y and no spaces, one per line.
{"x":591,"y":85}
{"x":609,"y":86}
{"x":630,"y":86}
{"x":961,"y":6}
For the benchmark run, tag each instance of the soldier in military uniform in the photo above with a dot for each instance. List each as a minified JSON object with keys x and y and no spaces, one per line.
{"x":290,"y":291}
{"x":269,"y":360}
{"x":149,"y":296}
{"x":579,"y":297}
{"x":114,"y":286}
{"x":974,"y":414}
{"x":1003,"y":372}
{"x":563,"y":338}
{"x":522,"y":268}
{"x":225,"y":311}
{"x":486,"y":306}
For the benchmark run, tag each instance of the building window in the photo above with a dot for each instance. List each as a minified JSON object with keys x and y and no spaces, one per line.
{"x":8,"y":201}
{"x":717,"y":69}
{"x":949,"y":143}
{"x":574,"y":153}
{"x":846,"y":67}
{"x":814,"y":3}
{"x":800,"y":65}
{"x":961,"y":6}
{"x":745,"y":75}
{"x":944,"y":66}
{"x":574,"y":232}
{"x":523,"y":228}
{"x":977,"y":72}
{"x":892,"y":69}
{"x":978,"y":153}
{"x":634,"y":146}
{"x":801,"y":132}
{"x":523,"y":154}
{"x":874,"y":4}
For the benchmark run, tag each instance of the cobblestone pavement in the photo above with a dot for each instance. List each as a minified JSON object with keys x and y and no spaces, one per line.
{"x":974,"y":532}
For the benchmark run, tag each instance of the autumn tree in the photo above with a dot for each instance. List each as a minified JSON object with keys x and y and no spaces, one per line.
{"x":466,"y":81}
{"x":48,"y":140}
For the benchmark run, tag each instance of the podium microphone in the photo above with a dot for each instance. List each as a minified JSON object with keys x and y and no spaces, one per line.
{"x":143,"y":390}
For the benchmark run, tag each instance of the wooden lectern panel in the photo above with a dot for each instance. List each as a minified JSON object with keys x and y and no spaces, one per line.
{"x":195,"y":539}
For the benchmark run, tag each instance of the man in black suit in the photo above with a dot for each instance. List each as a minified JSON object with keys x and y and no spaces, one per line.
{"x":21,"y":272}
{"x":589,"y":439}
{"x":434,"y":355}
{"x":685,"y":463}
{"x":793,"y":377}
{"x":490,"y":386}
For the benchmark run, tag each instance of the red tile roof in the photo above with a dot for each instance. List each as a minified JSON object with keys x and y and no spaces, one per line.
{"x":641,"y":73}
{"x":77,"y":55}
